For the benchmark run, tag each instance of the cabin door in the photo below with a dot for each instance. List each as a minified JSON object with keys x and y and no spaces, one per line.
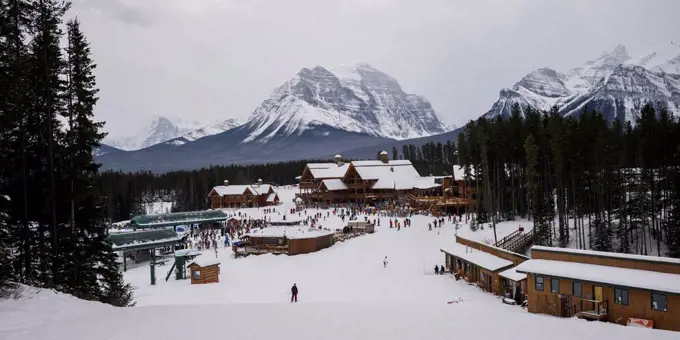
{"x":597,"y":296}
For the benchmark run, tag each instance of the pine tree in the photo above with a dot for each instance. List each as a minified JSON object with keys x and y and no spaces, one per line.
{"x":95,"y":273}
{"x":6,"y":256}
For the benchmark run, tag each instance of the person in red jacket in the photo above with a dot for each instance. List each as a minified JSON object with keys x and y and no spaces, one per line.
{"x":294,"y":290}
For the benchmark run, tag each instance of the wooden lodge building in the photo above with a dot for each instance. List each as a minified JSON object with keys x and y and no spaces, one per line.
{"x":377,"y":180}
{"x":613,"y":287}
{"x":285,"y":240}
{"x":491,"y":268}
{"x":243,"y":196}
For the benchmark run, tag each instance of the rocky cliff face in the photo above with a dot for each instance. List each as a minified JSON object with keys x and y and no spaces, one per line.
{"x":357,"y":99}
{"x":614,"y":84}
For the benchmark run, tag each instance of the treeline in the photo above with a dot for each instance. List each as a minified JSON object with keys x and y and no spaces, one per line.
{"x":127,"y":193}
{"x":52,"y":232}
{"x":583,"y":182}
{"x":430,"y":158}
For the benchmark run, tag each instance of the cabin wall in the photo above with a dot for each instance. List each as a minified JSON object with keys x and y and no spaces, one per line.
{"x":639,"y":303}
{"x":309,"y":245}
{"x":502,"y":253}
{"x":208,"y":274}
{"x":606,"y":261}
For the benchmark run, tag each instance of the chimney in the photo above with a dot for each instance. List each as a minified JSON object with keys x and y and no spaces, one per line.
{"x":226,"y":182}
{"x":259,"y":181}
{"x":337,"y":159}
{"x":384,"y":157}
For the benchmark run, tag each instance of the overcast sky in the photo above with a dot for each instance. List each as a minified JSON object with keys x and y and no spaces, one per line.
{"x":208,"y":60}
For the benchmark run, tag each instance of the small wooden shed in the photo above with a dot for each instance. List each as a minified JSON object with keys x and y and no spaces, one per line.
{"x":204,"y":271}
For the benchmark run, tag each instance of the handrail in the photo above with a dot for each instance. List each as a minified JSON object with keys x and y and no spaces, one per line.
{"x":505,"y":239}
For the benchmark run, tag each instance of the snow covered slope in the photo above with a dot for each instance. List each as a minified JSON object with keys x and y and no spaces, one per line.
{"x":355,"y":98}
{"x":162,"y":129}
{"x":615,"y":84}
{"x":344,"y":293}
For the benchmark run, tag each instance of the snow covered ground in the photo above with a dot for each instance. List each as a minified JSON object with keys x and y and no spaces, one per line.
{"x":345,"y":293}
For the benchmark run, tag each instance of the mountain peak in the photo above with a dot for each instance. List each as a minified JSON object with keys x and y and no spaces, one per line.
{"x":662,"y":58}
{"x":356,"y":98}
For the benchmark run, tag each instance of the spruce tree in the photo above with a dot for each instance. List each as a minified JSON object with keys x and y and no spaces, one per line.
{"x":96,"y":274}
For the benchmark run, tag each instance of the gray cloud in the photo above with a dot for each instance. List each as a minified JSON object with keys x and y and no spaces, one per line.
{"x":209,"y":60}
{"x":118,"y":10}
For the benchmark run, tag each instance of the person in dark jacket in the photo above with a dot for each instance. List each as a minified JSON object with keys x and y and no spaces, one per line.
{"x":294,"y":290}
{"x":436,"y":270}
{"x":442,"y":270}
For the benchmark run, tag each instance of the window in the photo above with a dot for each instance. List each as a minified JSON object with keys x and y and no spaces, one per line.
{"x":467,"y":267}
{"x":554,"y":286}
{"x":483,"y":277}
{"x":621,"y":296}
{"x":539,"y":283}
{"x":659,"y":302}
{"x":576,"y":289}
{"x":196,"y":275}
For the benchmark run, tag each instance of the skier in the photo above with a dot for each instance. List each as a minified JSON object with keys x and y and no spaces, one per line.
{"x":436,"y":270}
{"x":441,"y":270}
{"x":385,"y":262}
{"x":294,"y":291}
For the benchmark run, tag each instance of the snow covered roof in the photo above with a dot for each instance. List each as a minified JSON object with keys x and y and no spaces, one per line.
{"x":320,"y":165}
{"x":205,"y":261}
{"x":145,"y":239}
{"x":635,"y":257}
{"x":513,"y":275}
{"x":478,"y":257}
{"x":256,"y":189}
{"x":334,"y":184}
{"x":459,"y":172}
{"x":271,"y":197}
{"x":631,"y":278}
{"x":332,"y":171}
{"x":380,"y":163}
{"x":426,"y":183}
{"x":296,"y":232}
{"x":179,"y":218}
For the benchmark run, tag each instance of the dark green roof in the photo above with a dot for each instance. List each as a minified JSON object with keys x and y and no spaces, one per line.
{"x":179,"y":218}
{"x":144,"y":239}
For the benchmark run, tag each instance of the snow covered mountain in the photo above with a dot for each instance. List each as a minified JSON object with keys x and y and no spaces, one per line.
{"x":614,"y":84}
{"x":162,"y":129}
{"x":355,"y":98}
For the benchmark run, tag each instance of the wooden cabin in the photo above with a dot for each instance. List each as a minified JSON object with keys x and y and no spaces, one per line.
{"x":487,"y":266}
{"x":604,"y":286}
{"x":288,"y":240}
{"x":204,"y":271}
{"x":239,"y":196}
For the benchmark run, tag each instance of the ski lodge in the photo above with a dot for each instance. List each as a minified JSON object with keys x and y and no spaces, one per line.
{"x":489,"y":267}
{"x":379,"y":180}
{"x":243,"y":196}
{"x":619,"y":288}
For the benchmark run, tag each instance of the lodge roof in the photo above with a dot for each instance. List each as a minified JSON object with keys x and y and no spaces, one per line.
{"x":478,"y":257}
{"x":178,"y":218}
{"x":255,"y":189}
{"x":634,"y":257}
{"x":294,"y":232}
{"x":145,"y":239}
{"x":334,"y":184}
{"x":624,"y":277}
{"x":332,"y":170}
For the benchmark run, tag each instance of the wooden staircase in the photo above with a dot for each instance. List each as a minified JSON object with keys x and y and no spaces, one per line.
{"x":517,"y":241}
